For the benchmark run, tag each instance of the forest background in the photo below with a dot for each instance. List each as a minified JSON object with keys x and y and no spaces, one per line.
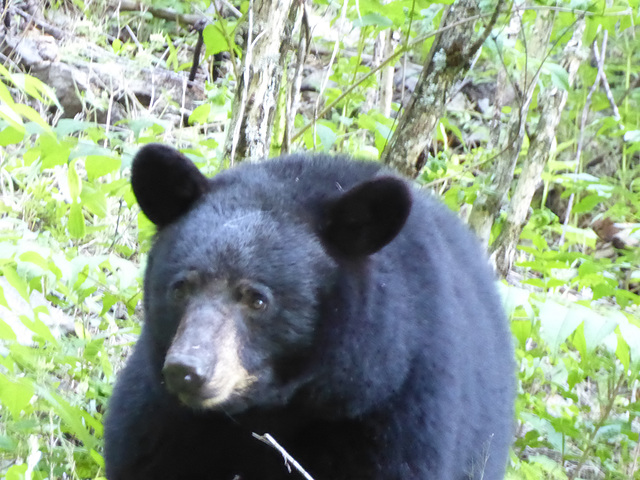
{"x":523,"y":116}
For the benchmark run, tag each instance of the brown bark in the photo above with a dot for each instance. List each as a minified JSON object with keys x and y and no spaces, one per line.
{"x":268,"y":38}
{"x":449,"y":59}
{"x":553,"y":101}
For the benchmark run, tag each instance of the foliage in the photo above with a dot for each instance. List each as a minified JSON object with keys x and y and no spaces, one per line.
{"x":71,"y":241}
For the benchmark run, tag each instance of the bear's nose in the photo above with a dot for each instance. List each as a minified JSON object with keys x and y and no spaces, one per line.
{"x":183,"y":373}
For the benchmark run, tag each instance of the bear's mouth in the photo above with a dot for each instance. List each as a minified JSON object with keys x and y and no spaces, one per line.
{"x":229,"y":404}
{"x":217,"y":395}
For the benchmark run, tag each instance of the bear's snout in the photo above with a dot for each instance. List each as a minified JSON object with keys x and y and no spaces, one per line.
{"x":184,"y":374}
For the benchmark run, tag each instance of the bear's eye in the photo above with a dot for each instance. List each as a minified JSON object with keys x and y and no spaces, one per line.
{"x":258,"y":303}
{"x":184,"y":286}
{"x":254,"y":298}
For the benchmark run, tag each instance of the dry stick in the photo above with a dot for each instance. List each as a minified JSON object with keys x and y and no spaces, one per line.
{"x":269,"y":440}
{"x":583,"y":123}
{"x":605,"y":82}
{"x":231,"y":8}
{"x":133,"y":36}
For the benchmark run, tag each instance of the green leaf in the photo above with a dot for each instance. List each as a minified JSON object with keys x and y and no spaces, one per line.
{"x":100,"y":165}
{"x":9,"y":114}
{"x":596,"y":327}
{"x":73,"y":180}
{"x":200,"y":114}
{"x":372,"y":19}
{"x":81,"y":332}
{"x":214,"y":40}
{"x":11,"y":135}
{"x":15,"y":395}
{"x":76,"y":224}
{"x":95,"y":201}
{"x":99,"y":459}
{"x":521,"y":329}
{"x":116,"y":45}
{"x":52,"y":152}
{"x":72,"y":416}
{"x":32,"y":115}
{"x":6,"y":332}
{"x":622,"y":351}
{"x":17,"y":472}
{"x":36,"y":88}
{"x":557,"y":323}
{"x":7,"y":443}
{"x":35,"y":258}
{"x":559,"y":76}
{"x":579,"y":342}
{"x":587,"y":204}
{"x":16,"y":281}
{"x":326,"y":136}
{"x":631,"y":336}
{"x":172,"y":58}
{"x":37,"y":326}
{"x":3,"y":300}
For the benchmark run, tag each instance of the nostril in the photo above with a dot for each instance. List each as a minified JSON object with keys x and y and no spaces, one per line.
{"x":183,"y":374}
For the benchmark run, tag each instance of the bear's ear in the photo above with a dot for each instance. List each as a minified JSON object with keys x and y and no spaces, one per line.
{"x":165,"y":182}
{"x":367,"y":217}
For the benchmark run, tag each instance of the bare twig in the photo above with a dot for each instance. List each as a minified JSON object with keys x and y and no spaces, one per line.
{"x":583,"y":123}
{"x":603,"y":77}
{"x":133,"y":36}
{"x":269,"y":440}
{"x":232,"y":9}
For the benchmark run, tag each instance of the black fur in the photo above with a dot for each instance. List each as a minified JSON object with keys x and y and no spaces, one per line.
{"x":361,"y":310}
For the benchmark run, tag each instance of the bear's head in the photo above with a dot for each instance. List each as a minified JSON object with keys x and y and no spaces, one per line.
{"x":244,"y":268}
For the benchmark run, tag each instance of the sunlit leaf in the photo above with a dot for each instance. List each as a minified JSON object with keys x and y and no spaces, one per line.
{"x":76,"y":225}
{"x":100,"y":165}
{"x":557,"y":323}
{"x":15,"y":395}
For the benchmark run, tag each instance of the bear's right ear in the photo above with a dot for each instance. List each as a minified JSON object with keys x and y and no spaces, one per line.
{"x":165,"y":183}
{"x":366,"y":218}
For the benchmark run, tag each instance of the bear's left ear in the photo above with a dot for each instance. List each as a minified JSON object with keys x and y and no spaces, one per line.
{"x":165,"y":183}
{"x":367,"y":217}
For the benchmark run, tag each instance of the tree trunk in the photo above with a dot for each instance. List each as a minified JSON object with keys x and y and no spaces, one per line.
{"x":552,"y":101}
{"x":486,"y":208}
{"x":268,"y":38}
{"x":449,"y":59}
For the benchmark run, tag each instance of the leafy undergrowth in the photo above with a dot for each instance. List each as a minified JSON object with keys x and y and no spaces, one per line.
{"x":72,"y":245}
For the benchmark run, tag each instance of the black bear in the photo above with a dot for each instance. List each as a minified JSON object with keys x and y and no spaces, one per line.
{"x":321,"y":300}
